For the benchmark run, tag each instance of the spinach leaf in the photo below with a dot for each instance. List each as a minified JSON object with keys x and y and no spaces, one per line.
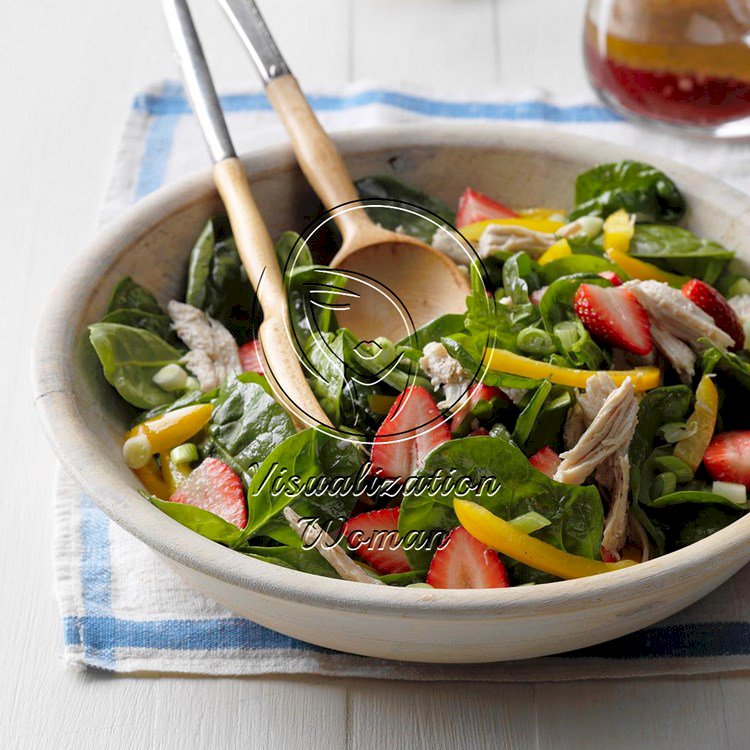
{"x":293,"y":557}
{"x":291,"y":242}
{"x":445,"y":325}
{"x":158,"y":324}
{"x":312,"y":293}
{"x":284,"y":478}
{"x":520,"y":276}
{"x":677,"y":249}
{"x":200,"y":521}
{"x":704,"y":497}
{"x":528,"y":417}
{"x":638,"y":188}
{"x":128,"y":295}
{"x":245,"y":426}
{"x":736,"y":366}
{"x":590,"y":265}
{"x":217,"y":282}
{"x":698,"y":522}
{"x":388,"y":188}
{"x":199,"y":397}
{"x":325,"y":353}
{"x":130,"y":358}
{"x":548,"y":427}
{"x":575,"y":513}
{"x":658,"y":407}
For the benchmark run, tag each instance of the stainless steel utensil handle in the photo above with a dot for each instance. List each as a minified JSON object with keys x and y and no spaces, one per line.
{"x":198,"y":82}
{"x":251,"y":27}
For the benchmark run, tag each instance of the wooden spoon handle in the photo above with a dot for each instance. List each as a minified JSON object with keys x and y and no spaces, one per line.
{"x":259,"y":258}
{"x":319,"y":159}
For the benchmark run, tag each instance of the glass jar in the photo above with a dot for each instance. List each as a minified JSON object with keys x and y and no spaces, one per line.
{"x":679,"y":62}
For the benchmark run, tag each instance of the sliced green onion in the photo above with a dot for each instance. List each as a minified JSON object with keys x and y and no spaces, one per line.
{"x":567,"y":333}
{"x":171,"y":378}
{"x":184,"y":454}
{"x":741,"y":286}
{"x":192,"y":384}
{"x":664,"y":484}
{"x":673,"y":432}
{"x":683,"y":473}
{"x":137,"y":451}
{"x":530,"y":522}
{"x":535,"y":341}
{"x":418,"y":586}
{"x":736,"y":493}
{"x":590,"y":227}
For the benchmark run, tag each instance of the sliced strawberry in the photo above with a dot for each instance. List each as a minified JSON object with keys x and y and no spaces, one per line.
{"x":411,"y":430}
{"x":480,"y":392}
{"x":727,"y":458}
{"x":546,"y":461}
{"x":614,"y":316}
{"x":474,"y":206}
{"x":374,"y":537}
{"x":715,"y":304}
{"x":462,"y":562}
{"x":250,"y":357}
{"x":611,"y":277}
{"x":215,"y":487}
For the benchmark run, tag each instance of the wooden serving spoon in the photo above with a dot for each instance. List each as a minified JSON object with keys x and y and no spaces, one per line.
{"x":422,"y":282}
{"x":254,"y":244}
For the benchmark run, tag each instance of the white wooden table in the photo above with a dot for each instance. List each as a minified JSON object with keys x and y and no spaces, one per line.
{"x":68,"y":72}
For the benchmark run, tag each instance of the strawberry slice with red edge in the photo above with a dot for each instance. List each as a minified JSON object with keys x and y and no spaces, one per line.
{"x":614,"y":316}
{"x":546,"y":461}
{"x":374,"y":537}
{"x":250,"y":357}
{"x":715,"y":304}
{"x":474,"y":206}
{"x":611,"y":277}
{"x":463,"y":562}
{"x":479,"y":392}
{"x":412,"y":428}
{"x":213,"y":486}
{"x":727,"y":458}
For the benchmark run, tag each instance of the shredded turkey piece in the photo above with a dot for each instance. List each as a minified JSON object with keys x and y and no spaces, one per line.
{"x":598,"y":432}
{"x":444,"y":372}
{"x":213,"y":354}
{"x":677,"y":324}
{"x":509,"y":238}
{"x":313,"y":534}
{"x":449,"y":244}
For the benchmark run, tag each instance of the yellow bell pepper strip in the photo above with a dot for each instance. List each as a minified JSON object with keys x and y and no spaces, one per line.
{"x":169,"y":430}
{"x":542,"y":212}
{"x":474,"y":231}
{"x":561,"y":249}
{"x":640,"y":269}
{"x":501,"y":360}
{"x":508,"y":540}
{"x":619,"y":229}
{"x":692,"y":448}
{"x":153,"y":480}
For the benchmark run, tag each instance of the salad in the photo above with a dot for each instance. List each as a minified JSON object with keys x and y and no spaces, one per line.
{"x":586,"y":413}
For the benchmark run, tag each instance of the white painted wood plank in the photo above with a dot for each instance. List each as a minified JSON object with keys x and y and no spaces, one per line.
{"x":425,"y":716}
{"x":669,"y":714}
{"x":539,"y":45}
{"x":448,"y":44}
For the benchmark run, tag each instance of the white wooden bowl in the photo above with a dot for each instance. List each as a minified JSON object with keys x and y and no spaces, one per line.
{"x":84,"y":418}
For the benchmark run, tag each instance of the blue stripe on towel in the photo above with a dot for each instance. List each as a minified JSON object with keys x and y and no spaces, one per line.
{"x":172,"y":102}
